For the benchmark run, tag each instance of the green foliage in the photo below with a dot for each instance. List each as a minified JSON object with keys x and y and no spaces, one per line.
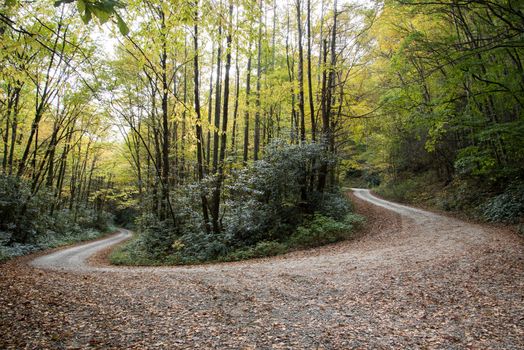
{"x":28,"y":224}
{"x":505,"y":207}
{"x":321,"y":230}
{"x":335,"y":205}
{"x":156,"y":236}
{"x":260,"y":250}
{"x":131,"y":253}
{"x":269,"y":197}
{"x":103,"y":10}
{"x":474,"y":161}
{"x":264,"y":205}
{"x":399,"y":190}
{"x":449,"y":107}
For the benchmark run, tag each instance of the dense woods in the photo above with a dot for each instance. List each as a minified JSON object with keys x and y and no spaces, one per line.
{"x":451,"y":97}
{"x":225,"y":129}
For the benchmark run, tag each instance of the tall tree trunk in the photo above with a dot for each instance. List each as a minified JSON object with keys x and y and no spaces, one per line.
{"x":14,"y":128}
{"x":7,"y":127}
{"x":300,"y":75}
{"x":309,"y":73}
{"x":183,"y":131}
{"x":256,"y":141}
{"x":274,"y":34}
{"x":207,"y":155}
{"x":291,"y":75}
{"x":327,"y":99}
{"x":321,"y":51}
{"x":165,"y":202}
{"x":198,"y":124}
{"x":223,"y":139}
{"x":41,"y":100}
{"x":218,"y":94}
{"x":62,"y":169}
{"x":235,"y":108}
{"x":246,"y":112}
{"x":325,"y":121}
{"x":51,"y":166}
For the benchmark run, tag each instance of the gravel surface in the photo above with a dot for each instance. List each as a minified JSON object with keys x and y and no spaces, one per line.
{"x":410,"y":279}
{"x":76,"y":258}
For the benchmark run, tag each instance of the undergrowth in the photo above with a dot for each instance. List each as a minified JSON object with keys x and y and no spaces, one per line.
{"x":316,"y":230}
{"x":269,"y":207}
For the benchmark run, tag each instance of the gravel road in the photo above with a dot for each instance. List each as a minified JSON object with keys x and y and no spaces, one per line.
{"x":410,"y":279}
{"x":75,"y":258}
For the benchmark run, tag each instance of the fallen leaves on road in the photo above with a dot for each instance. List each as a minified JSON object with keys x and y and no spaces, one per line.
{"x":395,"y":286}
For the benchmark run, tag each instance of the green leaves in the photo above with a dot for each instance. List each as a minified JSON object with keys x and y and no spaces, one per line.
{"x":60,"y":2}
{"x":122,"y":26}
{"x":102,"y":10}
{"x":81,"y":6}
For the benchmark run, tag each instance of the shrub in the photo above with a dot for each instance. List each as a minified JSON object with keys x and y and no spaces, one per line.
{"x":400,"y":190}
{"x":506,"y":207}
{"x":266,"y":200}
{"x":323,"y":230}
{"x":335,"y":205}
{"x":156,"y":236}
{"x":268,"y":248}
{"x":260,"y":250}
{"x":263,"y":204}
{"x":131,"y":253}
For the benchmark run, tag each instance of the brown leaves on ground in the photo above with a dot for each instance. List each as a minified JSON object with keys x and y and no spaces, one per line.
{"x":401,"y":283}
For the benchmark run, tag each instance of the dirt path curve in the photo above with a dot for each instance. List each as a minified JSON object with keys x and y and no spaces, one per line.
{"x":413,"y":279}
{"x":75,"y":258}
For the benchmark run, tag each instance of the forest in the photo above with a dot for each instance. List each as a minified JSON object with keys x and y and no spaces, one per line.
{"x":222,"y":130}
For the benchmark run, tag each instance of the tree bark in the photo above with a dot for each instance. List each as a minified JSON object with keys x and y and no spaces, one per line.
{"x":309,"y":73}
{"x":218,"y":96}
{"x":246,"y":112}
{"x":300,"y":75}
{"x":198,"y":124}
{"x":223,"y":139}
{"x":256,"y":141}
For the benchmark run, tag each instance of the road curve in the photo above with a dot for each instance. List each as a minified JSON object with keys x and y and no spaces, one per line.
{"x":423,"y":236}
{"x":75,"y":258}
{"x":412,"y":280}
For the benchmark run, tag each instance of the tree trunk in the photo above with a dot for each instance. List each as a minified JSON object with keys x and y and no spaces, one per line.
{"x":309,"y":73}
{"x":235,"y":108}
{"x":327,"y":99}
{"x":246,"y":112}
{"x":14,"y":128}
{"x":223,"y":139}
{"x":256,"y":145}
{"x":207,"y":155}
{"x":291,"y":75}
{"x":218,"y":94}
{"x":300,"y":75}
{"x":165,"y":202}
{"x":198,"y":124}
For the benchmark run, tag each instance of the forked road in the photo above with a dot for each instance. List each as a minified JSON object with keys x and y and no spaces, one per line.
{"x":415,"y":280}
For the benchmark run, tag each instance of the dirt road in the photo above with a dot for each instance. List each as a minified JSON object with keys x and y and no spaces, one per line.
{"x":413,"y":279}
{"x":76,"y":258}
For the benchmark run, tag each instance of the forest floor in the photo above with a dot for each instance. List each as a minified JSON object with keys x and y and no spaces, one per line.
{"x":411,"y":279}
